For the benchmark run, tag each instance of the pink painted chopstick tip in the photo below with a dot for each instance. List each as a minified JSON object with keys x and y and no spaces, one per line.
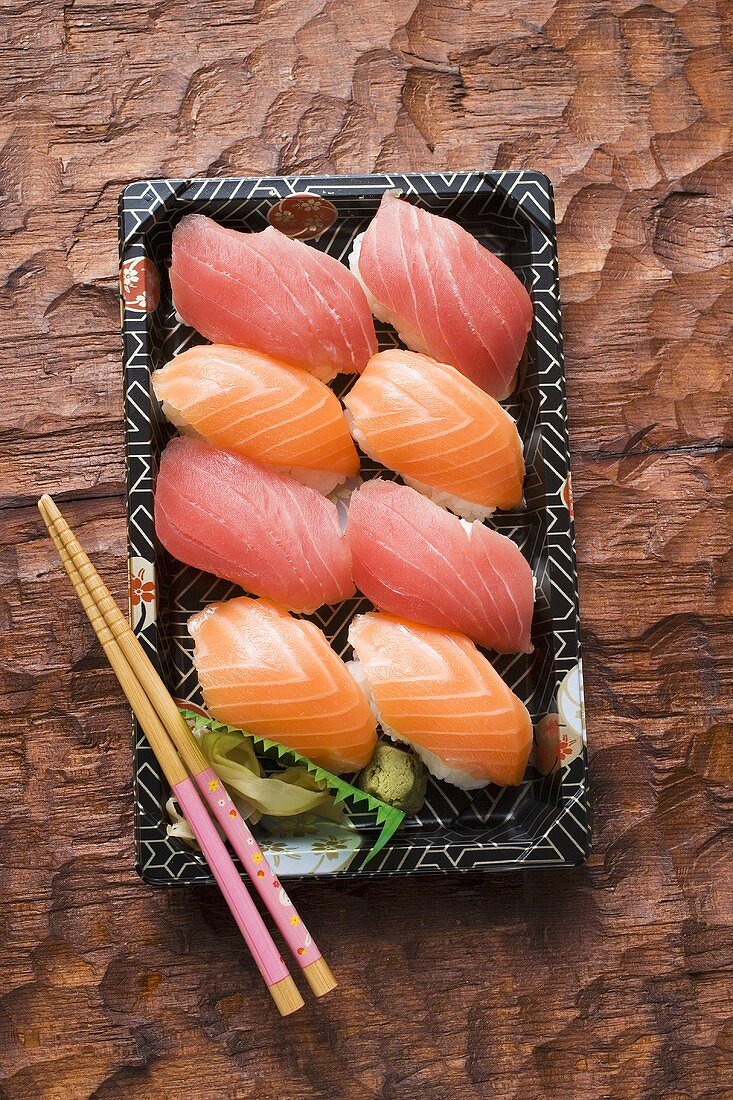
{"x":268,"y":886}
{"x":244,"y":910}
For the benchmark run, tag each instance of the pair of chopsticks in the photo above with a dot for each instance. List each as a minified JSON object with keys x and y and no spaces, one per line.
{"x":190,"y":777}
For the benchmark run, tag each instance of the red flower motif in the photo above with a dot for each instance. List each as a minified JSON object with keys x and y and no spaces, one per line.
{"x":141,"y":591}
{"x":564,"y":747}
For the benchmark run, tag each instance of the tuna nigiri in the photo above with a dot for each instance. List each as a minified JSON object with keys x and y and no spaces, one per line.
{"x":433,"y":689}
{"x":418,"y":561}
{"x":253,"y":405}
{"x":266,"y":672}
{"x":268,"y":292}
{"x":230,"y":516}
{"x":445,"y":436}
{"x":444,"y":292}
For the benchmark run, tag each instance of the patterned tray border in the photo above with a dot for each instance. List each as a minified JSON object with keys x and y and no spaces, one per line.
{"x":561,"y":835}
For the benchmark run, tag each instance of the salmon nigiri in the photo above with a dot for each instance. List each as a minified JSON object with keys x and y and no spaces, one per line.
{"x":254,"y":405}
{"x":445,"y":436}
{"x":418,"y":561}
{"x":268,"y":292}
{"x":266,"y":672}
{"x":433,"y":689}
{"x":444,"y":292}
{"x":265,"y":531}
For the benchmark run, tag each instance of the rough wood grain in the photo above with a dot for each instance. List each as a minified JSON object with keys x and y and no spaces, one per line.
{"x":610,"y":982}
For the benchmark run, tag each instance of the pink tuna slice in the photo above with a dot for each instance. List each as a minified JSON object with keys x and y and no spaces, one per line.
{"x":415,"y":560}
{"x":445,"y":293}
{"x":266,"y":292}
{"x":228,"y":515}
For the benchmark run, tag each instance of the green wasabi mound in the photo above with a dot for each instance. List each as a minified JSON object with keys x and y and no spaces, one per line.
{"x":396,"y":777}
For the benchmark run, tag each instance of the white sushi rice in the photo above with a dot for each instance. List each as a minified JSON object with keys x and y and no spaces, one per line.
{"x":466,"y":509}
{"x":359,"y":438}
{"x":324,"y":372}
{"x":354,"y":265}
{"x":356,"y":670}
{"x":323,"y":481}
{"x":176,"y":417}
{"x":406,"y":333}
{"x":357,"y":434}
{"x":435,"y":765}
{"x":193,"y":626}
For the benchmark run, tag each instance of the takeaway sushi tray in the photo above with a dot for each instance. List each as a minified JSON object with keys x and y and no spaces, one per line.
{"x":544,"y":821}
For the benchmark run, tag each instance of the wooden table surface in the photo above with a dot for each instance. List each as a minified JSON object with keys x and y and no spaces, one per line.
{"x":613,"y":980}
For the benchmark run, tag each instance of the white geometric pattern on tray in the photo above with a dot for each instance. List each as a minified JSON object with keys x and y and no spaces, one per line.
{"x":545,"y":820}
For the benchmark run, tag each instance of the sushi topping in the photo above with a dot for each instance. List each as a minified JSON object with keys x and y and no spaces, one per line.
{"x":255,"y":406}
{"x":416,"y":560}
{"x":440,"y":432}
{"x":436,"y":692}
{"x":270,"y":293}
{"x":445,"y":293}
{"x":262,"y":670}
{"x":233,"y":517}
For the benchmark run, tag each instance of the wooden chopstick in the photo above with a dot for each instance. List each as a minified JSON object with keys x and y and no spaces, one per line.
{"x":264,"y":951}
{"x":301,"y":944}
{"x":296,"y":935}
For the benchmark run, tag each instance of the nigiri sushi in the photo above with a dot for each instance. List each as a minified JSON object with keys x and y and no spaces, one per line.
{"x":265,"y":531}
{"x":433,"y":689}
{"x":444,"y":292}
{"x":266,"y":672}
{"x":255,"y":406}
{"x":270,"y":293}
{"x":445,"y":436}
{"x":418,"y":561}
